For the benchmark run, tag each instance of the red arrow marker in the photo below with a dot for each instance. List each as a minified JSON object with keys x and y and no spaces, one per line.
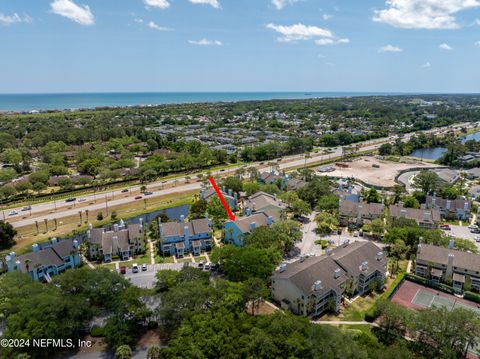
{"x":219,"y":194}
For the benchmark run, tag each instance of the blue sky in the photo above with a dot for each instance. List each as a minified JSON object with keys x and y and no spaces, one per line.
{"x":239,"y":45}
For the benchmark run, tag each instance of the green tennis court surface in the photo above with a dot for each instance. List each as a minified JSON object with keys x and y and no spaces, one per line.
{"x":428,"y":299}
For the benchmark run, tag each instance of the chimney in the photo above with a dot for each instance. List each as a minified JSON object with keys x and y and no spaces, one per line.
{"x":182,"y":218}
{"x":235,"y":195}
{"x":317,"y":285}
{"x":337,"y":273}
{"x":451,"y":244}
{"x":302,"y":258}
{"x":89,"y":234}
{"x":403,"y":213}
{"x":419,"y":248}
{"x":328,"y":251}
{"x":160,"y":227}
{"x":54,"y":240}
{"x":426,"y":216}
{"x":230,"y":192}
{"x":248,"y":211}
{"x":269,"y":220}
{"x":90,"y":226}
{"x":283,"y":267}
{"x":186,"y":232}
{"x":115,"y":227}
{"x":345,"y":243}
{"x":400,"y":204}
{"x":465,"y":206}
{"x":35,"y":247}
{"x":253,"y":225}
{"x":434,"y":201}
{"x":449,"y":271}
{"x":448,"y":204}
{"x":75,"y":244}
{"x":114,"y":244}
{"x":379,"y":256}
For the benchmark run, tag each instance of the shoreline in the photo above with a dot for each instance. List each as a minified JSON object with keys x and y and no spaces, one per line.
{"x":37,"y":103}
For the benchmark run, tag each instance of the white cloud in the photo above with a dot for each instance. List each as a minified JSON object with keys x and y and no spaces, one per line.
{"x":138,"y":20}
{"x":326,"y":17}
{"x":445,"y":46}
{"x":162,"y":4}
{"x":205,"y":42}
{"x":300,"y":32}
{"x":426,"y":65}
{"x":477,"y":21}
{"x":154,"y":26}
{"x":81,"y":14}
{"x":13,"y":19}
{"x":390,"y":48}
{"x":477,"y":44}
{"x":323,"y":42}
{"x":423,"y":14}
{"x":213,"y":3}
{"x":280,"y":4}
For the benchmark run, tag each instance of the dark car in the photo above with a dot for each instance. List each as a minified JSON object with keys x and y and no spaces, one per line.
{"x":138,"y":197}
{"x":70,"y":200}
{"x":148,"y":193}
{"x":124,"y":190}
{"x":475,"y":230}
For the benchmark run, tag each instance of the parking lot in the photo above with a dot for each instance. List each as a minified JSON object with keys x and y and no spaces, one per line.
{"x":463,"y":232}
{"x":146,"y":279}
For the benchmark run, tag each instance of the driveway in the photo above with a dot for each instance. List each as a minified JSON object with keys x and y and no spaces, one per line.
{"x":146,"y":279}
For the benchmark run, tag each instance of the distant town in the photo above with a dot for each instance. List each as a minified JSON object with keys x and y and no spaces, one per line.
{"x":355,"y":229}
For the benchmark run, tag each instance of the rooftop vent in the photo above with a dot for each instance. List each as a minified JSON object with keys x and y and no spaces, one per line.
{"x":337,"y":273}
{"x":364,"y":266}
{"x":317,"y":285}
{"x":283,"y":267}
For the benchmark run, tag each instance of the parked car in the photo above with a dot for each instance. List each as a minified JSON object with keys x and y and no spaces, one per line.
{"x":148,"y":193}
{"x":445,"y":227}
{"x":138,"y":197}
{"x":207,"y":266}
{"x":123,"y":270}
{"x":26,"y":208}
{"x":477,"y":238}
{"x":68,"y":200}
{"x":135,"y":268}
{"x":82,"y":200}
{"x":124,"y":190}
{"x":213,"y":266}
{"x":12,"y":213}
{"x":475,"y":230}
{"x":144,"y":267}
{"x":201,"y":264}
{"x":473,"y":226}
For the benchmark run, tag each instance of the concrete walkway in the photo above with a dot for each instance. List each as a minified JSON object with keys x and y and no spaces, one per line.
{"x":152,"y":252}
{"x":85,"y":260}
{"x":341,"y":322}
{"x":409,"y":266}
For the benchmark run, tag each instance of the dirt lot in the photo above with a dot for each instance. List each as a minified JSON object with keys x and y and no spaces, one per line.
{"x":383,"y":176}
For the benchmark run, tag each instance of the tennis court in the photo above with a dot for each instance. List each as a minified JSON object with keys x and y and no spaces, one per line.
{"x":414,"y":295}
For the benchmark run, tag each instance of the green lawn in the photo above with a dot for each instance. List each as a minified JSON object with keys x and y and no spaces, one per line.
{"x":184,"y":260}
{"x":110,"y":266}
{"x":160,"y":259}
{"x":356,"y":310}
{"x":199,"y":258}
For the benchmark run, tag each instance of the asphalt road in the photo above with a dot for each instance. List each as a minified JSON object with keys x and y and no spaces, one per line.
{"x":146,"y":279}
{"x":61,"y":209}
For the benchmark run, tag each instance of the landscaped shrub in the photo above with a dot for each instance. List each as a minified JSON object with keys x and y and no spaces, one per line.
{"x":474,"y":297}
{"x":96,"y":332}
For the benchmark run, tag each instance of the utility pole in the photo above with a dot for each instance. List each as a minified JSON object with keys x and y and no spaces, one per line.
{"x":106,"y":204}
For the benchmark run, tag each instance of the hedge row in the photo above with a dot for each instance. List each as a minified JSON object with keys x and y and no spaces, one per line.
{"x":372,"y":314}
{"x":423,"y":281}
{"x":474,"y":297}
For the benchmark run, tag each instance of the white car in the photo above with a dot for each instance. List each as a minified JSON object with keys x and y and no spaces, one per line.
{"x":135,"y":268}
{"x":144,"y":267}
{"x":82,"y":200}
{"x":473,"y":226}
{"x":12,"y":213}
{"x":477,"y":238}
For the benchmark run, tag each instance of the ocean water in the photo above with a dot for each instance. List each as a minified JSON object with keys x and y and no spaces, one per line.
{"x":68,"y":101}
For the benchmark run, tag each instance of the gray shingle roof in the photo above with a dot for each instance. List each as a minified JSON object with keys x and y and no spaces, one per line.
{"x":436,"y":254}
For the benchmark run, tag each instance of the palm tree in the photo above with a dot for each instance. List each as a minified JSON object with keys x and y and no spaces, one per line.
{"x":123,"y":352}
{"x":27,"y":264}
{"x":154,"y":352}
